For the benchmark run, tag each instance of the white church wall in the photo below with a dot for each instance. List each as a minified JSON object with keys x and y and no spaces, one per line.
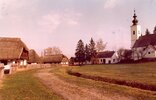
{"x":151,"y":53}
{"x":135,"y":33}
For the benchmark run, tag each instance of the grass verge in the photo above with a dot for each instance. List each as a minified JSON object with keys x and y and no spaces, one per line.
{"x":24,"y":86}
{"x":103,"y":87}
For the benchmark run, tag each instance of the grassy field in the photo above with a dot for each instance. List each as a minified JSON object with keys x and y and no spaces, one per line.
{"x":144,"y":73}
{"x":24,"y":86}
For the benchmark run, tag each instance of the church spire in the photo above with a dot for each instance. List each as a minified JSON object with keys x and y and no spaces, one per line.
{"x":134,"y":21}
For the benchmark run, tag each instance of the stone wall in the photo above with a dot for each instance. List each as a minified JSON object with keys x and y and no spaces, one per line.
{"x":16,"y":68}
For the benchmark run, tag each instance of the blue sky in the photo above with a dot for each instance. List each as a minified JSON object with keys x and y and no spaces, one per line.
{"x":46,"y":23}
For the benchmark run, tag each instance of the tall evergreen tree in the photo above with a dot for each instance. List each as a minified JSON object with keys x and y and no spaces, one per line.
{"x":92,"y":50}
{"x":87,"y":53}
{"x":80,"y":52}
{"x":147,"y":32}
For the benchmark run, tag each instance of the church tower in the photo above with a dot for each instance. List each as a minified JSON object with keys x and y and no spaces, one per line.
{"x":135,"y":30}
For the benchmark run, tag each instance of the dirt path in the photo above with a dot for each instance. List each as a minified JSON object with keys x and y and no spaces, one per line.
{"x":71,"y":91}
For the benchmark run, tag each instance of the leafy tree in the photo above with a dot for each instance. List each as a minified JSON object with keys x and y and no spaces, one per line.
{"x":92,"y":51}
{"x":80,"y":52}
{"x":100,"y":46}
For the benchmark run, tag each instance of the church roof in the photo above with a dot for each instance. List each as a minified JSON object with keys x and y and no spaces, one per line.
{"x":105,"y":54}
{"x":148,"y":39}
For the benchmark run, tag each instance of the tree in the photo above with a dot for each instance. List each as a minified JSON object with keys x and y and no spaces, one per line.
{"x":87,"y":53}
{"x":71,"y":61}
{"x":154,"y":31}
{"x":100,"y":46}
{"x":52,"y":51}
{"x":80,"y":52}
{"x":124,"y":54}
{"x":120,"y":53}
{"x":92,"y":51}
{"x":56,"y":50}
{"x":147,"y":32}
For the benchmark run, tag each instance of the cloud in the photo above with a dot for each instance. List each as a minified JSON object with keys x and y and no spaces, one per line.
{"x":14,"y":7}
{"x":53,"y":20}
{"x":110,"y":3}
{"x":49,"y":22}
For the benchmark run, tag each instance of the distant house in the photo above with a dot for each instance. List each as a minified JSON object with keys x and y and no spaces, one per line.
{"x":33,"y":57}
{"x":107,"y":57}
{"x":13,"y":50}
{"x":55,"y":59}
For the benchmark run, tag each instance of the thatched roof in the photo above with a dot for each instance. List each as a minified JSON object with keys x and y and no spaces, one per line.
{"x":11,"y":48}
{"x":33,"y":57}
{"x":53,"y":58}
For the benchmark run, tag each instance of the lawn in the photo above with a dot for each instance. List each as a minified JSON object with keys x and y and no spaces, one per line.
{"x":24,"y":86}
{"x":144,"y":73}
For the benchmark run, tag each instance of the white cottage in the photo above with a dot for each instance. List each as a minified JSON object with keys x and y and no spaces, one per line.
{"x":107,"y":57}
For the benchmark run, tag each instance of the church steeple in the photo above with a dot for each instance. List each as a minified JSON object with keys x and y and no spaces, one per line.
{"x":135,"y":30}
{"x":134,"y":21}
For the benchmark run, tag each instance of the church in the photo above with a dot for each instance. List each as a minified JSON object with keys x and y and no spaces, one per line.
{"x":142,"y":46}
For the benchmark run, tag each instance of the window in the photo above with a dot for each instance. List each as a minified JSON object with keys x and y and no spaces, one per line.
{"x":113,"y":60}
{"x":144,"y":49}
{"x":149,"y":52}
{"x":133,"y":32}
{"x":101,"y":60}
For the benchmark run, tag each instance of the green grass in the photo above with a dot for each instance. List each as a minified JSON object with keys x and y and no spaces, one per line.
{"x":24,"y":86}
{"x":145,"y":73}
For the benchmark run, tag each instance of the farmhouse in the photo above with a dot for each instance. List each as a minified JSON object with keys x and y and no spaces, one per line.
{"x":107,"y":57}
{"x":13,"y":50}
{"x":143,"y":46}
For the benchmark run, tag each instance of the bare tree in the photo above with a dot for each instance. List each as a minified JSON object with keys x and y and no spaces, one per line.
{"x":120,"y":53}
{"x":52,"y":51}
{"x":124,"y":54}
{"x":56,"y":50}
{"x":100,"y":46}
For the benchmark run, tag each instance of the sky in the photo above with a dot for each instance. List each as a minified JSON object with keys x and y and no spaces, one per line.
{"x":62,"y":23}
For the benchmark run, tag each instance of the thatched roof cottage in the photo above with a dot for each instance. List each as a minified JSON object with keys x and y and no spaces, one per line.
{"x":13,"y":50}
{"x":33,"y":57}
{"x":55,"y":59}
